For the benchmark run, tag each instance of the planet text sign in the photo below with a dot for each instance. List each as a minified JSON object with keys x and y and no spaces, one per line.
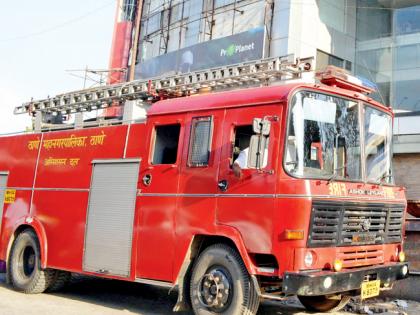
{"x":241,"y":47}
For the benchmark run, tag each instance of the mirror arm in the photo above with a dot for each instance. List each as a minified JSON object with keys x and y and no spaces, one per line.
{"x":259,"y":152}
{"x":271,"y":118}
{"x":269,"y":172}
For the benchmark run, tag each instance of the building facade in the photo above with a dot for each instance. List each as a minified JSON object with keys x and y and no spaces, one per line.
{"x":378,"y":40}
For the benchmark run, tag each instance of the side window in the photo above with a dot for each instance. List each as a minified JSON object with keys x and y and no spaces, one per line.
{"x":250,"y":149}
{"x":200,"y":141}
{"x":242,"y":138}
{"x":166,"y":144}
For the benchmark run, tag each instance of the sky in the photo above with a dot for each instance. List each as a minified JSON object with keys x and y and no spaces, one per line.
{"x":40,"y":40}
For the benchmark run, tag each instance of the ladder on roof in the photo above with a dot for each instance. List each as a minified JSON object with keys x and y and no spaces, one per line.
{"x":260,"y":72}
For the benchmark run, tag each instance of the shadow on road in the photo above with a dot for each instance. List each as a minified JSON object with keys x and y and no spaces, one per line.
{"x":140,"y":298}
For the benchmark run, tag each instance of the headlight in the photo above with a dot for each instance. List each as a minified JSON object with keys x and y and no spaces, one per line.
{"x":327,"y":282}
{"x":404,"y":270}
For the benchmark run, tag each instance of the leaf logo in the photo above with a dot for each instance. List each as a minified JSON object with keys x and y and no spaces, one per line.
{"x":230,"y":51}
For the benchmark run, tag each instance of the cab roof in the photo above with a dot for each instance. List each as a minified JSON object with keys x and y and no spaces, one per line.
{"x":249,"y":97}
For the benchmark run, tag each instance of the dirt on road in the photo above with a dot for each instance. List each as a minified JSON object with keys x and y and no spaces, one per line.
{"x":92,"y":296}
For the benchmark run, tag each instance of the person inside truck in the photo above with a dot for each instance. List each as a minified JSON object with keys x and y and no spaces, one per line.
{"x":241,"y":150}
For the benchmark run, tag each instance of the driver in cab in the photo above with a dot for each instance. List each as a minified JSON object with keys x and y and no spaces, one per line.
{"x":241,"y":162}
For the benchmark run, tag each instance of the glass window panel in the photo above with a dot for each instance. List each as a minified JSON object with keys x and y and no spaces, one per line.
{"x":192,"y":33}
{"x":374,"y":20}
{"x":153,"y":24}
{"x":323,"y":59}
{"x":223,"y":24}
{"x":193,"y":8}
{"x":406,"y":57}
{"x":324,"y":137}
{"x":406,"y":95}
{"x":200,"y":142}
{"x":156,"y":5}
{"x":222,"y":3}
{"x":173,"y":42}
{"x":332,"y":13}
{"x":407,"y":20}
{"x":252,"y":17}
{"x":176,"y":13}
{"x":378,"y":136}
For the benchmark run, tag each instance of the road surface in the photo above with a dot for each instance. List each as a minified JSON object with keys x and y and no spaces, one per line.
{"x":94,"y":296}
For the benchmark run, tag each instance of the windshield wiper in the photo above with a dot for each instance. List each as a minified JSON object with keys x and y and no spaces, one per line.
{"x":334,"y":176}
{"x":383,"y":177}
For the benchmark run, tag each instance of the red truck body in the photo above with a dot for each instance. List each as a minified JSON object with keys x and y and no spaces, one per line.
{"x":49,"y":182}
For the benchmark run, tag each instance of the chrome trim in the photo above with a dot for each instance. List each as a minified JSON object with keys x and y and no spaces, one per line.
{"x":113,"y":161}
{"x":154,"y":282}
{"x":50,"y":189}
{"x":207,"y":195}
{"x":292,"y":196}
{"x":41,"y":142}
{"x":126,"y":141}
{"x":279,"y":196}
{"x":64,"y":189}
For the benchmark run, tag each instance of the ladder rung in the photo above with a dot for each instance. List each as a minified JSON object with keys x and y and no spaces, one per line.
{"x":253,"y":72}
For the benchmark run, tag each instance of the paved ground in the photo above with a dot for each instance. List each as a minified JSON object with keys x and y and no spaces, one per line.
{"x":106,"y":297}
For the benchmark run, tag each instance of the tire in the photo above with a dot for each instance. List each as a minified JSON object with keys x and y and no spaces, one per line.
{"x":219,"y":267}
{"x":324,"y":304}
{"x":25,"y":270}
{"x":59,"y":280}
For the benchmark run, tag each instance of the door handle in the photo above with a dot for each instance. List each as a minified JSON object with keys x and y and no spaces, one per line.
{"x":147,"y":179}
{"x":223,"y":185}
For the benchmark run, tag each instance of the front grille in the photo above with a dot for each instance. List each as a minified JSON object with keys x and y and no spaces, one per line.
{"x":363,"y":257}
{"x":345,"y":224}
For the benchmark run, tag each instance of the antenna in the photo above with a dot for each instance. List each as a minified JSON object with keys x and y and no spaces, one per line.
{"x":373,"y":80}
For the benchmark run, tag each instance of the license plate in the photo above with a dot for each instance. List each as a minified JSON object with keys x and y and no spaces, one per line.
{"x":363,"y":239}
{"x":370,"y":289}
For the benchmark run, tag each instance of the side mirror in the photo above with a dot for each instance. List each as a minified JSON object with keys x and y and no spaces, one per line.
{"x":261,"y":126}
{"x":257,"y":152}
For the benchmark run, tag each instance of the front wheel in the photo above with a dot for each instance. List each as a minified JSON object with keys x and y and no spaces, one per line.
{"x":220,"y":284}
{"x":324,"y":303}
{"x":25,"y":270}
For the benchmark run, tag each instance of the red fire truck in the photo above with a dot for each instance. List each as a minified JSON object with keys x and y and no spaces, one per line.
{"x":313,"y":213}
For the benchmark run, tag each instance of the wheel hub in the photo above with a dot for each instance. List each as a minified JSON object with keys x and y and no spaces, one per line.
{"x":28,"y":261}
{"x":216,"y":289}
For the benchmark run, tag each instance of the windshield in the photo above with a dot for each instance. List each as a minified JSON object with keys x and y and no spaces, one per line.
{"x":378,"y":136}
{"x":323,"y":139}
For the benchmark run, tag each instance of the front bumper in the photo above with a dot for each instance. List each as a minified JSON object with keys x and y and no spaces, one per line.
{"x":312,"y":283}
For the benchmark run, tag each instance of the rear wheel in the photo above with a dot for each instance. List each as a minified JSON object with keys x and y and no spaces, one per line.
{"x":25,"y":270}
{"x":220,"y":284}
{"x":324,"y":303}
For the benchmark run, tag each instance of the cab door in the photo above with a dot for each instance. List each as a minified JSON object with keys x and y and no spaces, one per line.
{"x":247,"y":203}
{"x":158,"y":191}
{"x":199,"y":177}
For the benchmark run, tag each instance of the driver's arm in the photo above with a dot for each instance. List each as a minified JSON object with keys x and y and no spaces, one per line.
{"x":237,"y":170}
{"x":240,"y":163}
